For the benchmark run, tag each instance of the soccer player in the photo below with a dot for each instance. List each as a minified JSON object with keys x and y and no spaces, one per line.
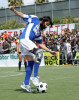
{"x":28,"y":47}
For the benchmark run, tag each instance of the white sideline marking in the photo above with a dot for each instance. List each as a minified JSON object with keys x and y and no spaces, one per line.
{"x":12,"y":75}
{"x":59,"y":67}
{"x":8,"y":72}
{"x":60,"y":78}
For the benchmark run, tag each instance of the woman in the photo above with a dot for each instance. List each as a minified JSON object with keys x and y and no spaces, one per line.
{"x":28,"y":47}
{"x":20,"y":57}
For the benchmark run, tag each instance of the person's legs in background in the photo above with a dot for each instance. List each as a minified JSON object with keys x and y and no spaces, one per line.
{"x":65,"y":58}
{"x":25,"y":62}
{"x":20,"y":60}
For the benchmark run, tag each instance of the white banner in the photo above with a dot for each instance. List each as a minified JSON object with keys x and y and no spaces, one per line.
{"x":11,"y":60}
{"x":12,"y":31}
{"x":8,"y":60}
{"x":58,"y":28}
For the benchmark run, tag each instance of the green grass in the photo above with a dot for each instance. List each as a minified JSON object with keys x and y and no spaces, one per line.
{"x":63,"y":83}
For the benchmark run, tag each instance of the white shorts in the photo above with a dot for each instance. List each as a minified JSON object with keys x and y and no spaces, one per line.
{"x":25,"y":46}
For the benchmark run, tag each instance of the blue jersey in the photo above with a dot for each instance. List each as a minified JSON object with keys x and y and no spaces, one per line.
{"x":32,"y":29}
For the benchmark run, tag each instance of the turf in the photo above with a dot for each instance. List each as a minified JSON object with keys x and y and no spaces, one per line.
{"x":63,"y":83}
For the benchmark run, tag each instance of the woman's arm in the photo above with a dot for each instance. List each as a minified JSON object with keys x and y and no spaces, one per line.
{"x":17,"y":12}
{"x":48,"y":50}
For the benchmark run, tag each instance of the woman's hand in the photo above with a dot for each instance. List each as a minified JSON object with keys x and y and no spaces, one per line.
{"x":54,"y":53}
{"x":12,"y":8}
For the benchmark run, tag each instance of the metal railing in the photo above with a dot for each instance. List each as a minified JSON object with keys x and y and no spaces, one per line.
{"x":52,"y":9}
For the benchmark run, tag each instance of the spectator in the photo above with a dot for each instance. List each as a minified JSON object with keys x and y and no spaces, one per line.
{"x":15,"y":34}
{"x":54,"y":46}
{"x":43,"y":39}
{"x":63,"y":53}
{"x":77,"y":47}
{"x":72,"y":32}
{"x":73,"y":46}
{"x":49,"y":40}
{"x":72,"y":37}
{"x":13,"y":46}
{"x":5,"y":34}
{"x":59,"y":37}
{"x":49,"y":44}
{"x":1,"y":42}
{"x":77,"y":38}
{"x":1,"y":48}
{"x":5,"y":48}
{"x":77,"y":31}
{"x":58,"y":46}
{"x":69,"y":53}
{"x":2,"y":35}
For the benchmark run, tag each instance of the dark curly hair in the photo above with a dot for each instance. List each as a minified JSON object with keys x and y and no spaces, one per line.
{"x":43,"y":20}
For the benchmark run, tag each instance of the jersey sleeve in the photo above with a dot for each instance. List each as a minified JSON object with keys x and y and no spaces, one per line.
{"x":31,"y":19}
{"x":38,"y":39}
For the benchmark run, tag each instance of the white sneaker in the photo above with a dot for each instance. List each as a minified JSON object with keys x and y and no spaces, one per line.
{"x":27,"y":88}
{"x":35,"y":80}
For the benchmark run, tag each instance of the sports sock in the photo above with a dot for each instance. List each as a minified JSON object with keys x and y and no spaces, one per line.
{"x":19,"y":65}
{"x":28,"y":72}
{"x":36,"y":67}
{"x":25,"y":64}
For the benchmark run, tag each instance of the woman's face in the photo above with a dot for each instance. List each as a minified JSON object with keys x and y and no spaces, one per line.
{"x":47,"y":23}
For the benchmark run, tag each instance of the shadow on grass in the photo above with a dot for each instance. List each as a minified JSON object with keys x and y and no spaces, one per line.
{"x":24,"y":91}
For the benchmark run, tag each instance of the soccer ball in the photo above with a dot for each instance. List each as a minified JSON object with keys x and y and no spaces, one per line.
{"x":42,"y":87}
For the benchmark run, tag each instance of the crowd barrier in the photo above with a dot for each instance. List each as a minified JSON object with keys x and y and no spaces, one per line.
{"x":11,"y":60}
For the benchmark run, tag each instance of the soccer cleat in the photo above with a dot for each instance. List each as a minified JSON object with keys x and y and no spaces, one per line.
{"x":35,"y":80}
{"x":38,"y":55}
{"x":27,"y":88}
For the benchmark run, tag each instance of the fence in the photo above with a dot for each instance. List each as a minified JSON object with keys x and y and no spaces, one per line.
{"x":53,"y":9}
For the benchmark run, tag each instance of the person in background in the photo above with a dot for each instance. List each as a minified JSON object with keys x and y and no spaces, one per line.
{"x":63,"y":53}
{"x":58,"y":46}
{"x":77,"y":47}
{"x":20,"y":57}
{"x":73,"y":47}
{"x":5,"y":34}
{"x":69,"y":52}
{"x":1,"y":42}
{"x":6,"y":47}
{"x":53,"y":46}
{"x":1,"y":45}
{"x":13,"y":46}
{"x":15,"y":34}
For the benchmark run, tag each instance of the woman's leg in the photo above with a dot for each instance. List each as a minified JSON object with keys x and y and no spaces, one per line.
{"x":20,"y":60}
{"x":28,"y":72}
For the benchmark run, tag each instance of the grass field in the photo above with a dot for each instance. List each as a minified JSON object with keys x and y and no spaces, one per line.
{"x":63,"y":83}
